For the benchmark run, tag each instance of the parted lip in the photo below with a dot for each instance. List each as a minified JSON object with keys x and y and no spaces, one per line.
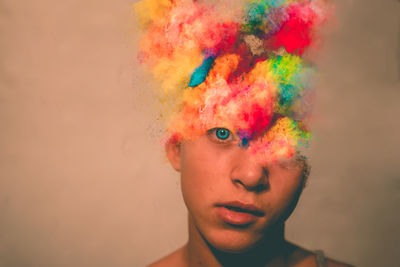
{"x":242,"y":207}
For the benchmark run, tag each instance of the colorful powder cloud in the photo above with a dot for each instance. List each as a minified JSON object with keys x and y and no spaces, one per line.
{"x":242,"y":70}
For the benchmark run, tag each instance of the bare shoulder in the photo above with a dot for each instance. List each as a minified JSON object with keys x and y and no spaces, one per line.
{"x":175,"y":259}
{"x":301,"y":257}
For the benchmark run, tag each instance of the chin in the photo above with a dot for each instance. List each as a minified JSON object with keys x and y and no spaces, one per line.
{"x":233,"y":241}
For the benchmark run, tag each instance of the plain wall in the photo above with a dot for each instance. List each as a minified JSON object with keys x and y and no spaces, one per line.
{"x":83,"y":178}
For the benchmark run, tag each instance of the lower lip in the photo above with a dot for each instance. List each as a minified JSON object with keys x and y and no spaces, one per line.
{"x":236,"y":217}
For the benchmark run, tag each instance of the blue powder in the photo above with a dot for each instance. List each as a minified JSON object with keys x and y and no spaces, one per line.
{"x":245,"y":142}
{"x":200,"y":73}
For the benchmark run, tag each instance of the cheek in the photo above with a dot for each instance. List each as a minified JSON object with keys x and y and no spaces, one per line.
{"x":200,"y":179}
{"x":203,"y":167}
{"x":284,"y":193}
{"x":205,"y":176}
{"x":200,"y":192}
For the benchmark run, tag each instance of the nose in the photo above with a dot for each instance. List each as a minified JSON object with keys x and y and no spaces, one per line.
{"x":248,"y":172}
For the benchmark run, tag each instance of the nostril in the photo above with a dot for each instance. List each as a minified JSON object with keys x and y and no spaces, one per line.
{"x":237,"y":181}
{"x":266,"y":172}
{"x":261,"y":187}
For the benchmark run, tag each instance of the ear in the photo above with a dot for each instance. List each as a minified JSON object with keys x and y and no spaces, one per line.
{"x":173,"y":151}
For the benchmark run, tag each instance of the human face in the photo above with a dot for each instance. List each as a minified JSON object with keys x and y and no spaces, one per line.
{"x":232,"y":200}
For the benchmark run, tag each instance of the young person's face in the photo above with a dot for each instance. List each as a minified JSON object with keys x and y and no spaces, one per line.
{"x":232,"y":200}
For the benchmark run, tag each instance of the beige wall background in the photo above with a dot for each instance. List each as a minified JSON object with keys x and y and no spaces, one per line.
{"x":83,"y":181}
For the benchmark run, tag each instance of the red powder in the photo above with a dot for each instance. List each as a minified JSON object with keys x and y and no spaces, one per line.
{"x":244,"y":65}
{"x":228,"y":32}
{"x":260,"y":119}
{"x":173,"y":140}
{"x":296,"y":33}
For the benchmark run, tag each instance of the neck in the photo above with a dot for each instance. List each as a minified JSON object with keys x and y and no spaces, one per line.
{"x":272,"y":251}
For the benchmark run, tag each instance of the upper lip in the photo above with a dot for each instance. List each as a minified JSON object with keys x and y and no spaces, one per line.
{"x":243,"y":207}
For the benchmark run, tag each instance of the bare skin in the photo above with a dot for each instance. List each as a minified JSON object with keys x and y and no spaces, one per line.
{"x":216,"y":172}
{"x":196,"y":253}
{"x":298,"y":258}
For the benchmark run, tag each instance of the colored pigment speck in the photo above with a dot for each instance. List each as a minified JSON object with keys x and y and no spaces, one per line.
{"x":200,"y":73}
{"x":244,"y":143}
{"x":256,"y":12}
{"x":287,"y":94}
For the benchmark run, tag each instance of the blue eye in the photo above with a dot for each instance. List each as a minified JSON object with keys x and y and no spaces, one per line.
{"x":222,"y":133}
